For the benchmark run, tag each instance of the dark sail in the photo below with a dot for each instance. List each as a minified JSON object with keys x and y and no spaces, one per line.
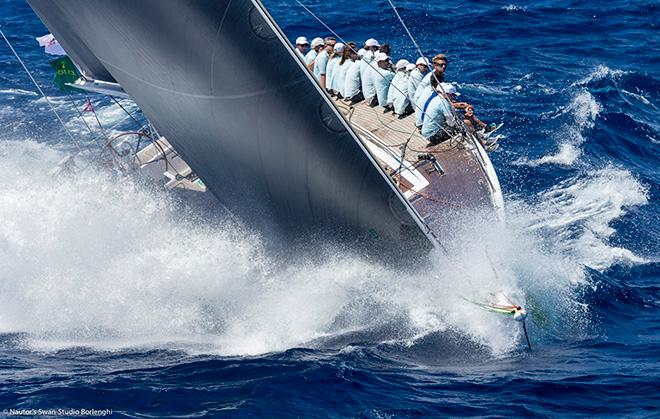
{"x":61,"y":22}
{"x":220,"y":82}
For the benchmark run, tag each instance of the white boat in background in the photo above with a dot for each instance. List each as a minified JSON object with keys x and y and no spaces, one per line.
{"x":258,"y":131}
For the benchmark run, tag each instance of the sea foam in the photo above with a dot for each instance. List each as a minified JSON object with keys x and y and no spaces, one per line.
{"x":582,"y":112}
{"x":101,"y":261}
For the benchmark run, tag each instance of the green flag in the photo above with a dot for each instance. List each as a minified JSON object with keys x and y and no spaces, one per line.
{"x":65,"y":72}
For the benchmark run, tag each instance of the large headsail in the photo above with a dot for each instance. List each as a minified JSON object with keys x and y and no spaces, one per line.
{"x":218,"y":79}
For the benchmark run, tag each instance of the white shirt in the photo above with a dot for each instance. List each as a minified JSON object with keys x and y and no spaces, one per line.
{"x":331,"y":72}
{"x":438,"y":113}
{"x":352,"y":83}
{"x":368,"y":73}
{"x":321,"y":63}
{"x":382,"y":82}
{"x":310,"y":57}
{"x":398,"y":93}
{"x":414,"y":80}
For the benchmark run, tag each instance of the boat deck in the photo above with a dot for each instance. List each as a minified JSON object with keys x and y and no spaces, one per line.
{"x":464,"y":183}
{"x":389,"y":129}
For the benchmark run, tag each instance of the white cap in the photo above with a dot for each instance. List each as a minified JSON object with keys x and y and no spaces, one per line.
{"x":401,"y":64}
{"x":317,"y":42}
{"x":381,"y":56}
{"x":339,"y":47}
{"x":450,"y":89}
{"x":423,"y":60}
{"x":362,"y":52}
{"x":410,"y":67}
{"x":301,"y":40}
{"x":372,"y":43}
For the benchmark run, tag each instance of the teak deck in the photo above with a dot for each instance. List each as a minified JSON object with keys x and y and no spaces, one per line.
{"x":464,"y":184}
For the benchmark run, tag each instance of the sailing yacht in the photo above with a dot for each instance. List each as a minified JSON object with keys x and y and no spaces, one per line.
{"x":223,"y":88}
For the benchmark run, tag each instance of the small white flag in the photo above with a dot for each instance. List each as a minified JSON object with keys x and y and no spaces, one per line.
{"x":51,"y":45}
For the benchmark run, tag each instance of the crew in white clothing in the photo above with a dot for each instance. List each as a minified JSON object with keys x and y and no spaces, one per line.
{"x":369,"y":71}
{"x":310,"y":58}
{"x":383,"y":78}
{"x":416,"y":76}
{"x":332,"y":67}
{"x":397,"y":97}
{"x":437,"y":119}
{"x":321,"y":62}
{"x":352,"y":82}
{"x":301,"y":46}
{"x":340,"y":71}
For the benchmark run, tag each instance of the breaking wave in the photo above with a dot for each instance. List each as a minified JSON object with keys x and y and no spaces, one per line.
{"x":582,"y":111}
{"x":579,"y":211}
{"x":600,"y":73}
{"x":97,"y":261}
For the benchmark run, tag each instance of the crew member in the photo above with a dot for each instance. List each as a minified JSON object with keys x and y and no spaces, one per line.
{"x":369,"y":71}
{"x":352,"y":83}
{"x":398,"y":93}
{"x":452,"y":95}
{"x":342,"y":66}
{"x":331,"y":72}
{"x":439,"y":67}
{"x":310,"y":58}
{"x":416,"y":76}
{"x":476,"y":126}
{"x":383,"y":79}
{"x":321,"y":62}
{"x":301,"y":46}
{"x":438,"y":73}
{"x":437,"y":119}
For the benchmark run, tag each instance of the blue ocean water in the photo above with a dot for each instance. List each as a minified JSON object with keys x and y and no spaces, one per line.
{"x":114,"y":295}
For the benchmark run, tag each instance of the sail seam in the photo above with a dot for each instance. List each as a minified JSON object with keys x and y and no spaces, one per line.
{"x":217,"y":33}
{"x":200,"y":96}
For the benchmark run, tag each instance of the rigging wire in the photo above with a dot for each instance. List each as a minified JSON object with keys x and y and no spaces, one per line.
{"x":459,"y":121}
{"x":76,"y":142}
{"x":405,"y":27}
{"x":352,"y":49}
{"x":81,"y":117}
{"x":126,"y":111}
{"x":50,"y":104}
{"x":98,"y":121}
{"x":386,"y":126}
{"x":412,"y":38}
{"x":375,"y":67}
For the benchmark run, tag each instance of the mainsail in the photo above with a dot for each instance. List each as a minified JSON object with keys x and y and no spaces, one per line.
{"x":219,"y":80}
